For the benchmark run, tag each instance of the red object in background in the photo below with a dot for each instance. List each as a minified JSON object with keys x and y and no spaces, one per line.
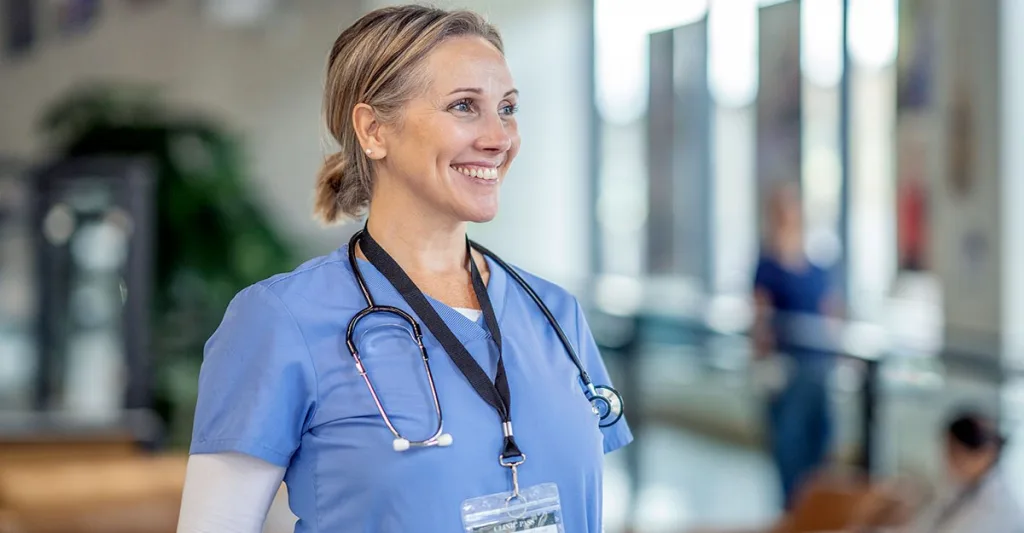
{"x":912,"y":213}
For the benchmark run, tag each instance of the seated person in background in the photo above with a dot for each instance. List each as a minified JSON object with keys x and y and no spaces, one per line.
{"x":977,"y":498}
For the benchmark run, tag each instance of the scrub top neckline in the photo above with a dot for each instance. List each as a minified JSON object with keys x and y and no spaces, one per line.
{"x":462,"y":326}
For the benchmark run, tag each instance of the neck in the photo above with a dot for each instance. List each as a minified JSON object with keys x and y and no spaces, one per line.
{"x":789,"y":248}
{"x":980,"y":469}
{"x":419,"y":242}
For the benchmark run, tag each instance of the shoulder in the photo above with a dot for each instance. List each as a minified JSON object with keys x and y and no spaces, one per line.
{"x":766,"y":261}
{"x":271,"y":324}
{"x":766,"y":271}
{"x":999,"y":498}
{"x":315,"y":282}
{"x":311,"y":276}
{"x":297,"y":306}
{"x":563,"y":305}
{"x":822,"y":273}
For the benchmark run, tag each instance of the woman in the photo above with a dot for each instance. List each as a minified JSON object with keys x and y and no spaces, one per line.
{"x":422,"y":105}
{"x":793,"y":297}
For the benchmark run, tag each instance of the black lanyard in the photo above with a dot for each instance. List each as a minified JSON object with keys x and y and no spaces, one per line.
{"x":496,"y":394}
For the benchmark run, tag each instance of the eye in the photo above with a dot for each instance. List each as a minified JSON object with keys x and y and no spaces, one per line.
{"x":509,"y":109}
{"x":462,"y":106}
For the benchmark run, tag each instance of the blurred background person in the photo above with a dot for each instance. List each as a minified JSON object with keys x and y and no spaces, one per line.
{"x":975,"y":495}
{"x":792,"y":297}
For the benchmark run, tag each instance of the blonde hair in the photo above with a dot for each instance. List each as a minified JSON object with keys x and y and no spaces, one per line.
{"x":376,"y":61}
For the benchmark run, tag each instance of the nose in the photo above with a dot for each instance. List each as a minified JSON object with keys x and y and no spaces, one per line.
{"x":496,"y":135}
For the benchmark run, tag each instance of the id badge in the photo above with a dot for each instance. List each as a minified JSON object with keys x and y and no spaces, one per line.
{"x":537,"y":509}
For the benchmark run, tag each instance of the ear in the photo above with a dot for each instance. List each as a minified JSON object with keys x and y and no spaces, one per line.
{"x":368,"y":130}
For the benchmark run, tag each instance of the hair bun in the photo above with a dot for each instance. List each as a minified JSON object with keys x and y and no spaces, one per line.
{"x":330,"y":183}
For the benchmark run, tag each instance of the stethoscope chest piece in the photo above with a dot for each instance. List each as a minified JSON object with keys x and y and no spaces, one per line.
{"x":607,"y":405}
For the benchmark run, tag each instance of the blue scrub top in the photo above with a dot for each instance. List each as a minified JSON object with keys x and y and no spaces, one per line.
{"x":278,"y":383}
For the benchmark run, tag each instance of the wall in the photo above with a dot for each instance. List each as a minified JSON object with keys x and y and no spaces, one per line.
{"x":265,"y":82}
{"x":1012,"y":127}
{"x":966,"y":221}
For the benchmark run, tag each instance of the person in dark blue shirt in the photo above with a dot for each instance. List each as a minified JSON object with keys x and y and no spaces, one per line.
{"x":793,"y":297}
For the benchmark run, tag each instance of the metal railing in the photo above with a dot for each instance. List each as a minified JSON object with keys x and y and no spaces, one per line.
{"x":628,"y":336}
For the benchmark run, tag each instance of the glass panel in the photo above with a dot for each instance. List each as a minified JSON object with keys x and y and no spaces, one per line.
{"x":18,"y":354}
{"x":87,"y":234}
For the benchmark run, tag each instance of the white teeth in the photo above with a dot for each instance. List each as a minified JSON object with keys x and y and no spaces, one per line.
{"x":477,"y":172}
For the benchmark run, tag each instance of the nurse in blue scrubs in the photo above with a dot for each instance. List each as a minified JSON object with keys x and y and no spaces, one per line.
{"x":794,"y":297}
{"x":423,"y":109}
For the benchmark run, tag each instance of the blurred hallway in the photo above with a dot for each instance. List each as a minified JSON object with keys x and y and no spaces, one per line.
{"x":689,"y":479}
{"x":157,"y":156}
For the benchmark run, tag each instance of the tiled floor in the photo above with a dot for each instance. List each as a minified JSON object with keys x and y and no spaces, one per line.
{"x":688,"y":481}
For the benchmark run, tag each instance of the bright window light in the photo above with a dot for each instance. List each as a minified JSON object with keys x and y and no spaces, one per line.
{"x":872,"y":36}
{"x":622,"y":28}
{"x":732,"y":50}
{"x":821,"y":52}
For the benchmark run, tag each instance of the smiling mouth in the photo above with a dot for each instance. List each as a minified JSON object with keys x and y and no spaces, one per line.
{"x":483,"y":173}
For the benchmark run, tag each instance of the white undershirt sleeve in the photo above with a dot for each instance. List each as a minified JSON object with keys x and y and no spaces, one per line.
{"x":227,"y":493}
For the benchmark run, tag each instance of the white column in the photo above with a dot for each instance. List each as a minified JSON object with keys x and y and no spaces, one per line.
{"x":1011,"y":104}
{"x":872,"y":222}
{"x":967,"y":194}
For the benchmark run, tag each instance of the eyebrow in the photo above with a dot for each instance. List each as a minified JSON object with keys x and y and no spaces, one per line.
{"x":478,"y":90}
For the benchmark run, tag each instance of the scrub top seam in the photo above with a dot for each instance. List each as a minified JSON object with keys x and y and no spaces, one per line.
{"x":316,"y":456}
{"x":253,"y":443}
{"x":309,"y":354}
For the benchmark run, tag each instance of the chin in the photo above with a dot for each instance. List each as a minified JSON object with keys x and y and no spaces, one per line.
{"x":478,"y":208}
{"x":479,"y":213}
{"x":481,"y":217}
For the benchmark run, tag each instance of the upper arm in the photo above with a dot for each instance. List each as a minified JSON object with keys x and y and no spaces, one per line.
{"x":762,"y":301}
{"x":763,"y":278}
{"x":618,"y":434}
{"x":832,"y":302}
{"x":227,"y":493}
{"x":257,"y":385}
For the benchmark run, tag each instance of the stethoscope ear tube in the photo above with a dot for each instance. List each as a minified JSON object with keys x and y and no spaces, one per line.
{"x":606,"y":401}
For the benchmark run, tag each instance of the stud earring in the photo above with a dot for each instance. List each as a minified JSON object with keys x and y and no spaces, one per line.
{"x":369,"y":152}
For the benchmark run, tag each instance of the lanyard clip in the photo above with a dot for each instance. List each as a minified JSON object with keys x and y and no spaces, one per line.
{"x":515,"y":483}
{"x":511,"y":458}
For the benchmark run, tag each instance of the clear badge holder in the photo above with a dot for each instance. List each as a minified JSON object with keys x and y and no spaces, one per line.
{"x":536,"y":509}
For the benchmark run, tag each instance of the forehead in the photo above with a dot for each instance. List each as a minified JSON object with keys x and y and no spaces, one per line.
{"x":467,"y":62}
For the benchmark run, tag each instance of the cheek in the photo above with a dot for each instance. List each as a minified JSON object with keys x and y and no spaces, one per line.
{"x":448,"y":142}
{"x":516,"y":143}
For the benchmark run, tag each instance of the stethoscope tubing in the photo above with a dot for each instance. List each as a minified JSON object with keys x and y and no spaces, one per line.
{"x":438,"y":436}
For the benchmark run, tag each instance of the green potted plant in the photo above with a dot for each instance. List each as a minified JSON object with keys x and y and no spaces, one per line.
{"x":211,"y":237}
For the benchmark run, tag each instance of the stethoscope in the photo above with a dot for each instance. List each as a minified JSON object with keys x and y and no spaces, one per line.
{"x":605,"y":401}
